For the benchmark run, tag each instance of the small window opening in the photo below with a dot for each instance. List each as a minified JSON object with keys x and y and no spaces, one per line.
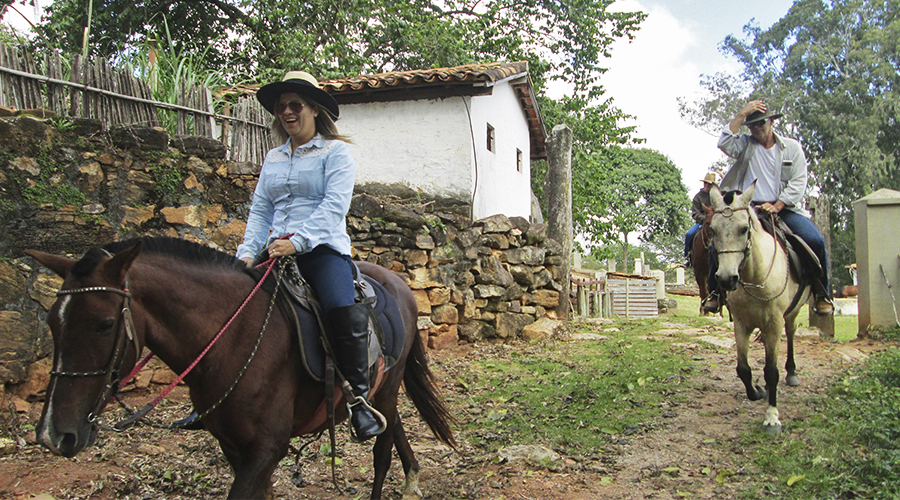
{"x":490,"y":138}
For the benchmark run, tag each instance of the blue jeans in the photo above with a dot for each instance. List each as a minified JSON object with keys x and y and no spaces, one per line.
{"x":808,"y":232}
{"x":330,"y":274}
{"x":802,"y":227}
{"x":689,"y":238}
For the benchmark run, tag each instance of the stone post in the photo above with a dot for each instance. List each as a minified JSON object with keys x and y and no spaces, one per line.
{"x":820,"y":209}
{"x":558,"y":194}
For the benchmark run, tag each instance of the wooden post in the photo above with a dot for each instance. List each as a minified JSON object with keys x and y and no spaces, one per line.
{"x":820,"y":209}
{"x":558,"y":193}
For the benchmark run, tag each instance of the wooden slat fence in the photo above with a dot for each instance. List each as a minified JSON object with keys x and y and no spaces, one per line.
{"x":632,"y":296}
{"x":589,"y":298}
{"x":82,"y":88}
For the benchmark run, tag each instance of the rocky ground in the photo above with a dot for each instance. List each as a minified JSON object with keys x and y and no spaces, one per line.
{"x":664,"y":461}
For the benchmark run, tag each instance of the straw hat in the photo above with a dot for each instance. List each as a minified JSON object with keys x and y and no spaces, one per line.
{"x":299,"y":82}
{"x":710,"y":178}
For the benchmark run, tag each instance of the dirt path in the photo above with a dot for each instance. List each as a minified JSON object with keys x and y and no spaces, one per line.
{"x":679,"y":454}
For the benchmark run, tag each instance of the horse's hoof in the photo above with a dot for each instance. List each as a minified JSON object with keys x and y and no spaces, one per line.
{"x":758,"y":393}
{"x":792,"y":381}
{"x":773,"y":429}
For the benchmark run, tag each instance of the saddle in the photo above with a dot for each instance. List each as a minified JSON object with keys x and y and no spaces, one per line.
{"x":386,"y":333}
{"x":805,"y":267}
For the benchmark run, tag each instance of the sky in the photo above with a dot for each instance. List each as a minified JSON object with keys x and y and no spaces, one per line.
{"x":677,"y":43}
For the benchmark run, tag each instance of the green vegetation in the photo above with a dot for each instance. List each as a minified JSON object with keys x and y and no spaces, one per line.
{"x":169,"y":181}
{"x":848,"y":448}
{"x":577,"y":397}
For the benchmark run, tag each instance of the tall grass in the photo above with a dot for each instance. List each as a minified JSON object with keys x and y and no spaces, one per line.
{"x":174,"y":73}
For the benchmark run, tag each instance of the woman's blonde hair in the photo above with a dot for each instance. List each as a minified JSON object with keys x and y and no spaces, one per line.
{"x":324,"y":125}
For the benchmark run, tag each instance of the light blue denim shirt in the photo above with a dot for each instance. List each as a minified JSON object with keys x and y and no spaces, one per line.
{"x":306,"y":193}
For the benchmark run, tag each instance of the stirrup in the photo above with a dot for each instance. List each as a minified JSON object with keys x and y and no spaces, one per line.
{"x":713,"y":296}
{"x":828,"y":307}
{"x":382,"y":422}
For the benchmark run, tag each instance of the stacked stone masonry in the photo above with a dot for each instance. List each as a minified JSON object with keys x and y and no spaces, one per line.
{"x":67,"y":188}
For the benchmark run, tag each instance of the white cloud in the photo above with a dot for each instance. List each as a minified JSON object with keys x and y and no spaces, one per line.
{"x":645,"y":79}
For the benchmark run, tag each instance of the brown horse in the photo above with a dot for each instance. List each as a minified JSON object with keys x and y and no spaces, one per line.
{"x":173,"y":296}
{"x":700,"y":256}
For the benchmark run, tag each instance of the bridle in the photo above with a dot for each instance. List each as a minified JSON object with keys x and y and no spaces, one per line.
{"x":727,"y":212}
{"x":124,"y":334}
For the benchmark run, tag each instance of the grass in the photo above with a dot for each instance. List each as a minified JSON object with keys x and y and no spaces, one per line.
{"x":848,"y":448}
{"x":578,"y":397}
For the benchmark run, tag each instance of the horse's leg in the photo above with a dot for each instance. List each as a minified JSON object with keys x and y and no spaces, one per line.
{"x":381,"y":452}
{"x":771,"y":337}
{"x":742,"y":342}
{"x":254,"y":467}
{"x":408,"y":459}
{"x":790,"y":328}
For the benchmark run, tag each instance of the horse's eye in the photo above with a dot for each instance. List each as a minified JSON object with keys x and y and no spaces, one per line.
{"x":745,"y":230}
{"x":105,"y":327}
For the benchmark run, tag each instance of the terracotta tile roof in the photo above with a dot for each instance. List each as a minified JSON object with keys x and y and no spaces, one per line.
{"x":469,"y":74}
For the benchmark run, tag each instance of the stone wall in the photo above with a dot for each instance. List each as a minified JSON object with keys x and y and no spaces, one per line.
{"x":66,"y":188}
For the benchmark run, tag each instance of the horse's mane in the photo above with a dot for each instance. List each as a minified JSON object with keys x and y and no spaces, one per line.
{"x":184,"y":250}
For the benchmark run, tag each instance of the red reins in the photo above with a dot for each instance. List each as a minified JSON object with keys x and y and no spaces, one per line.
{"x":137,"y":368}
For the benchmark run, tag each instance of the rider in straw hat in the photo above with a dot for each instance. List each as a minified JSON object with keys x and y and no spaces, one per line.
{"x":697,"y":213}
{"x":304,"y":192}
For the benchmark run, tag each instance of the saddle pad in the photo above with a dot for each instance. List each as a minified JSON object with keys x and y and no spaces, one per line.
{"x":386,"y":312}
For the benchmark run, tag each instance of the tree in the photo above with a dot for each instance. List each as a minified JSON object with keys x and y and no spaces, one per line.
{"x":622,"y":191}
{"x":833,"y":68}
{"x":566,"y":39}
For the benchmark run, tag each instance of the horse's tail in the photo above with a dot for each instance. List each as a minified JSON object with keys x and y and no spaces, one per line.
{"x":419,"y":383}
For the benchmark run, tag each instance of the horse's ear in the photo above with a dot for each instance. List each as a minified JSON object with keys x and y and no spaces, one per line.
{"x":715,"y":196}
{"x":747,"y":196}
{"x":117,"y":267}
{"x":56,"y":263}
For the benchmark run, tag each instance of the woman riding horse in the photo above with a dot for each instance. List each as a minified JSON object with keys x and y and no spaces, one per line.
{"x":299,"y":208}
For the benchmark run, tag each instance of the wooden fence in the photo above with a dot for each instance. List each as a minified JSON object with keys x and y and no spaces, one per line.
{"x":624,"y":295}
{"x":93,"y":89}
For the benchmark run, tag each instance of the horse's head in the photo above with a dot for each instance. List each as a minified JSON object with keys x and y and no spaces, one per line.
{"x":731,"y":225}
{"x":89,"y":344}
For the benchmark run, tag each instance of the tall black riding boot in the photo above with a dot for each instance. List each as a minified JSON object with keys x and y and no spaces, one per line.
{"x":349,"y":341}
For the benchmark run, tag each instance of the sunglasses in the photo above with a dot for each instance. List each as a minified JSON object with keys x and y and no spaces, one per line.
{"x":296,"y":106}
{"x":757,"y":124}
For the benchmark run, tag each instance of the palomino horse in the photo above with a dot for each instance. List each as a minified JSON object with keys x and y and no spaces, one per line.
{"x":754,"y":270}
{"x":172,"y":296}
{"x":700,"y":256}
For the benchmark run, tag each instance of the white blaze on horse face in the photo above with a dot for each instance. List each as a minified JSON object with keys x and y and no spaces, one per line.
{"x":44,"y":437}
{"x":61,"y":314}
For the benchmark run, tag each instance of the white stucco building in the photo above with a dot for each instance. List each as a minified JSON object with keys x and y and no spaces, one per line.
{"x":467,"y":133}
